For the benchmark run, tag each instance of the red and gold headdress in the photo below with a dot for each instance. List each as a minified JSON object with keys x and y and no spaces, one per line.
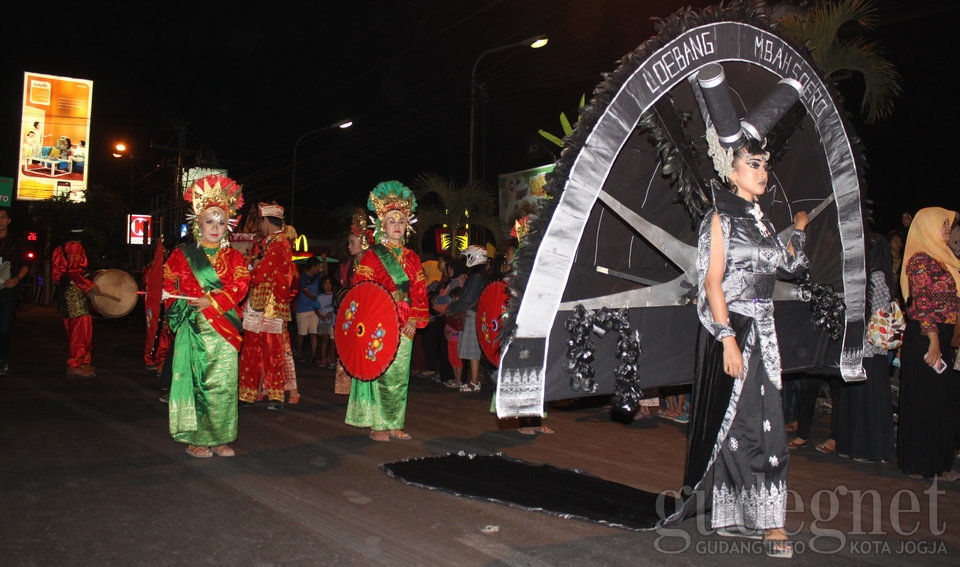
{"x":359,"y":227}
{"x":390,"y":196}
{"x":214,"y":191}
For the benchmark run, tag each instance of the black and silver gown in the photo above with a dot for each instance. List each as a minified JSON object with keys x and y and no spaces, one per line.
{"x":737,"y":451}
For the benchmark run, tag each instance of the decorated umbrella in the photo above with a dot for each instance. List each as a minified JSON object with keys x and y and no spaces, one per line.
{"x":153,"y":282}
{"x":490,"y":308}
{"x":367,"y":332}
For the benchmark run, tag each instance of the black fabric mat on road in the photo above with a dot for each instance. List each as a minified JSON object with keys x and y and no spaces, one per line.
{"x":545,"y":488}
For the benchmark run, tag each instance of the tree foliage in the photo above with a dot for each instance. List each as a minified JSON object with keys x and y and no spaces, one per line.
{"x":837,"y":34}
{"x":444,"y":204}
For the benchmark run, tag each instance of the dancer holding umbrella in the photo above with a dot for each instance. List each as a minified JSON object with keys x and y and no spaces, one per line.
{"x":381,"y":404}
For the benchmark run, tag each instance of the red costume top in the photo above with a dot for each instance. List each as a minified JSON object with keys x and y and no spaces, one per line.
{"x":271,"y":281}
{"x":231,"y":268}
{"x":414,"y":306}
{"x":71,"y":259}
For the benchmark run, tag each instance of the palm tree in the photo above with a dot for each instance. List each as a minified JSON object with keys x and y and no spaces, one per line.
{"x":565,"y":126}
{"x":834,"y":31}
{"x":454,"y":208}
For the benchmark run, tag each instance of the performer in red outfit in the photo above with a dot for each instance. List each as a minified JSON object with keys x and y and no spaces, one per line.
{"x":203,"y":282}
{"x":69,"y":271}
{"x":267,"y":312}
{"x":381,"y":404}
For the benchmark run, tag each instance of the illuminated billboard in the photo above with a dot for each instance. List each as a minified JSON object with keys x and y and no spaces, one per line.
{"x":55,"y":136}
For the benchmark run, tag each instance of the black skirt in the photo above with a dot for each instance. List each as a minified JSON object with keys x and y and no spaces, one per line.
{"x":926,"y":442}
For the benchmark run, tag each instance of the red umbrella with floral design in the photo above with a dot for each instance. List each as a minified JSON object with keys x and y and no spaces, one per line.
{"x":490,"y":308}
{"x":367,"y":331}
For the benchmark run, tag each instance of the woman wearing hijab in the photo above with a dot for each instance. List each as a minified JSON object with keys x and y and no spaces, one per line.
{"x":926,"y":442}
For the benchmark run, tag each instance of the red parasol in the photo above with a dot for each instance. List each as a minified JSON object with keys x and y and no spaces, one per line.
{"x":490,"y":308}
{"x":367,"y":332}
{"x":153,"y":283}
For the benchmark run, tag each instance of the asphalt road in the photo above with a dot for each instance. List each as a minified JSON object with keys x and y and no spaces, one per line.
{"x":90,"y":476}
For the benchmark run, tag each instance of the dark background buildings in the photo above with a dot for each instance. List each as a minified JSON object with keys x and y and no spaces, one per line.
{"x":235,"y":86}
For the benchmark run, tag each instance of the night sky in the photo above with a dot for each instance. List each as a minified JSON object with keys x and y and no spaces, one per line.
{"x":246,"y":82}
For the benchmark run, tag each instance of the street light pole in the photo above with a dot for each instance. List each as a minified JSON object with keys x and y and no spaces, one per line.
{"x":342,"y":124}
{"x":534,"y":42}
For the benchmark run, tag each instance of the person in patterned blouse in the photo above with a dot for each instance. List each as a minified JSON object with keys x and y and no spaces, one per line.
{"x":926,"y":441}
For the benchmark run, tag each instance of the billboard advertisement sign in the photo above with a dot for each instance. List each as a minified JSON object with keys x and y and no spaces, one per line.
{"x":520,"y":192}
{"x":54,"y":134}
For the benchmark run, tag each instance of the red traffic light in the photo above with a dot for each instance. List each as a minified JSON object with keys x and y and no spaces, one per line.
{"x":31,"y":255}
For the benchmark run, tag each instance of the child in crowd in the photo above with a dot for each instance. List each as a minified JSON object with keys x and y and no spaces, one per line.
{"x":323,"y":307}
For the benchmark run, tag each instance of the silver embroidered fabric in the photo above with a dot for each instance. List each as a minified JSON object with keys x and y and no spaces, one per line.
{"x":760,"y":507}
{"x":750,"y":256}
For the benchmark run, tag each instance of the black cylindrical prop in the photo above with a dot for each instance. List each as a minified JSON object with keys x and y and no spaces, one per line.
{"x":716,"y":95}
{"x":776,"y":104}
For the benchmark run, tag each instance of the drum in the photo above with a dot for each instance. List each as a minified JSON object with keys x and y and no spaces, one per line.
{"x":118,"y":293}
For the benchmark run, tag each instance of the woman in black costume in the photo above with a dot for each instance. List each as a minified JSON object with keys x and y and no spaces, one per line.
{"x":737,"y":448}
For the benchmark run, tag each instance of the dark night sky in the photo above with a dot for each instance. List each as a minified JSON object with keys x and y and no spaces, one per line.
{"x":248,"y":81}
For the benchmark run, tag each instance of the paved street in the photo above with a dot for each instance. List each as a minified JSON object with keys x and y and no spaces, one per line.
{"x":89,"y":476}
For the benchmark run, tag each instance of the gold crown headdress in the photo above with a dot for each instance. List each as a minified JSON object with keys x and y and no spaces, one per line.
{"x":359,"y":227}
{"x":390,"y":196}
{"x":214,"y":191}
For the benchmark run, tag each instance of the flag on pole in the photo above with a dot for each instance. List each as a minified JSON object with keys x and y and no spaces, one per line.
{"x":153,"y":282}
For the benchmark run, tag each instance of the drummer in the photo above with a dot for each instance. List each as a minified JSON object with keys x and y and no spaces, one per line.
{"x":69,"y":272}
{"x":381,"y":404}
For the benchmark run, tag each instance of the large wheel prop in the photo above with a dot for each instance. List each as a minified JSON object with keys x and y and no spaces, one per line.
{"x":638,"y":154}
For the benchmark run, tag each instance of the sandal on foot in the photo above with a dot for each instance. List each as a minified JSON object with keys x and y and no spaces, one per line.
{"x":380,"y":436}
{"x":824,"y":448}
{"x":740,"y":531}
{"x":667,"y":414}
{"x":294,"y":399}
{"x":790,"y":427}
{"x":399,"y":434}
{"x":223,"y":451}
{"x":526,"y":431}
{"x":199,"y":452}
{"x":543,"y":429}
{"x":798,"y":443}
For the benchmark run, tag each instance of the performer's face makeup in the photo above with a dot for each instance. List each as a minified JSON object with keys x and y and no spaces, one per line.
{"x":213,"y":223}
{"x":749,"y":175}
{"x":354,"y":245}
{"x":395,"y":227}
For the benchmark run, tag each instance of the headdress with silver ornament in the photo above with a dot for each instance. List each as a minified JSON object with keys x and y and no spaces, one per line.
{"x":389,"y":196}
{"x":214,"y":191}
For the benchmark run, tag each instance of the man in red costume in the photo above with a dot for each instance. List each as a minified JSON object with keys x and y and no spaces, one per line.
{"x":267,"y":312}
{"x":69,"y":271}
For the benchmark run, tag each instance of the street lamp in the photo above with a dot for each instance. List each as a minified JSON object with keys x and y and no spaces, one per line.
{"x":534,"y":42}
{"x":342,"y":124}
{"x":121,"y":150}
